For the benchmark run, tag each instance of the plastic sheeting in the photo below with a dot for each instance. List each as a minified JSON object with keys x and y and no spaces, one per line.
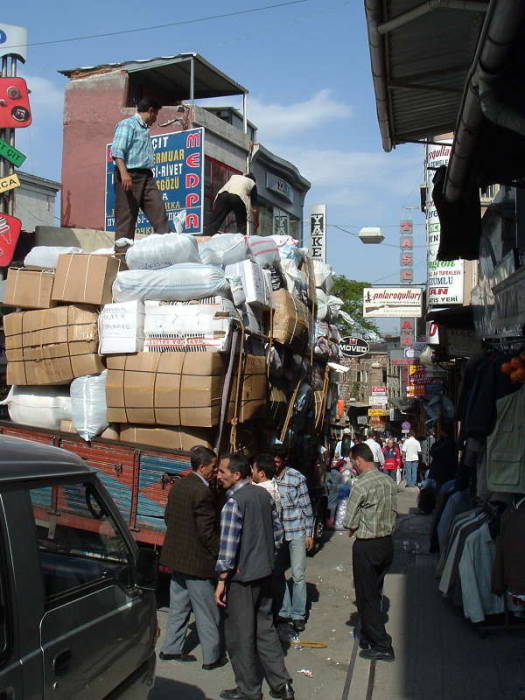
{"x":47,"y":256}
{"x":88,"y":405}
{"x":159,"y":250}
{"x":39,"y":406}
{"x":263,"y":250}
{"x":224,"y":249}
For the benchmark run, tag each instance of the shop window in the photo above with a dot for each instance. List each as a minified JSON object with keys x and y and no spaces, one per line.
{"x":215,"y":176}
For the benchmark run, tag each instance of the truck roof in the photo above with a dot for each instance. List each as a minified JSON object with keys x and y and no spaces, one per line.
{"x":22,"y":459}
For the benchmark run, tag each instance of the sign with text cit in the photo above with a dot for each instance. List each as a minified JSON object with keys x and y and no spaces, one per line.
{"x":179,"y":174}
{"x":318,"y":232}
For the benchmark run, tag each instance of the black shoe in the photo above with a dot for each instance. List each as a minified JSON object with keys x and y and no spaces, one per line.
{"x":286,"y":692}
{"x":177,"y":657}
{"x":299,"y":625}
{"x":282,"y":620}
{"x":364,"y":643}
{"x":378,"y":654}
{"x":221,"y":661}
{"x":232,"y":694}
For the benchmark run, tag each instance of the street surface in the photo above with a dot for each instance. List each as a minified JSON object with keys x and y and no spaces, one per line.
{"x":439,"y":655}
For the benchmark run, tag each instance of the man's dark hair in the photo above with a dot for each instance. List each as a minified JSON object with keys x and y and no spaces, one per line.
{"x":239,"y":464}
{"x":201,"y":455}
{"x":362,"y":450}
{"x":359,"y":437}
{"x":280,"y":451}
{"x":264,"y":463}
{"x":251,"y":176}
{"x":147,"y":103}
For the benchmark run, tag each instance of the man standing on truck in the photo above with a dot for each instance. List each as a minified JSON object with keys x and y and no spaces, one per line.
{"x":250,"y":532}
{"x":237,"y":196}
{"x":298,"y":523}
{"x":190,"y":550}
{"x":135,"y":187}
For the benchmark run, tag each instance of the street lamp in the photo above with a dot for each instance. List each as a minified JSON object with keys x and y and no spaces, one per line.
{"x":371,"y":234}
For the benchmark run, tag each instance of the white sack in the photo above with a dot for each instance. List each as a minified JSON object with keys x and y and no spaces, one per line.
{"x":295,"y":278}
{"x":262,"y":250}
{"x":88,"y":405}
{"x":121,"y":328}
{"x":224,"y":249}
{"x":47,"y":255}
{"x":324,"y":275}
{"x":237,"y":290}
{"x":335,"y":304}
{"x":160,"y":250}
{"x":182,"y":282}
{"x":322,"y":305}
{"x":39,"y":406}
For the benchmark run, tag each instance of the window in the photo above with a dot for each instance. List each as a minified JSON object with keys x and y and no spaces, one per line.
{"x":78,"y":541}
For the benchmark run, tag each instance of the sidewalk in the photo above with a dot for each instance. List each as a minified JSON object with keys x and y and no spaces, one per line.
{"x":439,"y":655}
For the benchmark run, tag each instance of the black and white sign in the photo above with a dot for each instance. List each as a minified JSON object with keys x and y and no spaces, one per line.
{"x":318,"y":232}
{"x":353,"y":347}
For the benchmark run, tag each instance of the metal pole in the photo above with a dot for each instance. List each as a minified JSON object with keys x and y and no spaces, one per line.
{"x":245,"y":112}
{"x":192,"y":81}
{"x":4,"y":136}
{"x":11,"y":141}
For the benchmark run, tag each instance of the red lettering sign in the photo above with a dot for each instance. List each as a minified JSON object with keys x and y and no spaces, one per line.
{"x":192,"y":180}
{"x":192,"y":221}
{"x":194,"y":160}
{"x":193,"y":140}
{"x":9,"y":232}
{"x":192,"y":199}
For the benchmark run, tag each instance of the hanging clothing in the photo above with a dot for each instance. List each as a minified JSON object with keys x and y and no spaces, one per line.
{"x":505,"y":451}
{"x":509,"y":564}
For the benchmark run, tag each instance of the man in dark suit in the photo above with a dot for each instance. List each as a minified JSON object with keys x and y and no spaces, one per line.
{"x":190,"y":550}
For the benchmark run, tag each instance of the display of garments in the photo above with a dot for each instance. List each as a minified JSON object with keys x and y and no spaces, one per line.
{"x":505,"y":451}
{"x":475,"y":571}
{"x":450,"y":559}
{"x":509,"y":564}
{"x":458,"y":502}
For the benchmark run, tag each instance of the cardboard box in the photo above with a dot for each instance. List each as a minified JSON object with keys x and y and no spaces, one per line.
{"x":290,"y":319}
{"x":29,"y":289}
{"x":52,"y":346}
{"x":167,"y":438}
{"x":253,"y":282}
{"x":66,"y":426}
{"x":170,"y":327}
{"x":253,"y":392}
{"x":112,"y":432}
{"x":121,"y":328}
{"x":85,"y":279}
{"x":165,"y":388}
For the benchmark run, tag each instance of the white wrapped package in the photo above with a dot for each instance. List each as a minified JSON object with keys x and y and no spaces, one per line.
{"x":252,"y":277}
{"x":322,"y":305}
{"x":39,"y":406}
{"x":334,"y":306}
{"x":224,"y":249}
{"x":173,"y":327}
{"x":262,"y":250}
{"x":324,"y":275}
{"x":47,"y":255}
{"x":159,"y":250}
{"x":295,"y":278}
{"x":121,"y":328}
{"x":88,"y":405}
{"x":182,"y":282}
{"x":237,"y":290}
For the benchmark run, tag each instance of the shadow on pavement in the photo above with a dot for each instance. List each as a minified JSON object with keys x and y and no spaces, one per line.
{"x":167,"y":689}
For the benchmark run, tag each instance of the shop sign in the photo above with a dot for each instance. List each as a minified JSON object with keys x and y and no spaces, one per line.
{"x":9,"y":183}
{"x":378,"y":390}
{"x":445,"y":279}
{"x":11,"y":154}
{"x":279,"y":186}
{"x":179,"y":174}
{"x":377,"y":401}
{"x":392,"y":302}
{"x":376,"y":422}
{"x":432,"y":333}
{"x":377,"y":412}
{"x":405,"y":426}
{"x":318,"y":232}
{"x":352,"y":346}
{"x":10,"y":228}
{"x":362,"y":420}
{"x":13,"y":41}
{"x":405,"y":362}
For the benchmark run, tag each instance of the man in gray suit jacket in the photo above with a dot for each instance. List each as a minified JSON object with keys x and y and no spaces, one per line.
{"x":190,"y":550}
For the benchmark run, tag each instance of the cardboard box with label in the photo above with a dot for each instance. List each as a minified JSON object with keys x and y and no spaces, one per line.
{"x":253,"y":282}
{"x":121,"y":328}
{"x":85,"y":279}
{"x":290,"y":319}
{"x":52,"y":346}
{"x":29,"y":289}
{"x":167,"y":438}
{"x":165,"y":388}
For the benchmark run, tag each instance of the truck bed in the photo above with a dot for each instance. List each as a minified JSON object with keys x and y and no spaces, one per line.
{"x":138,"y":477}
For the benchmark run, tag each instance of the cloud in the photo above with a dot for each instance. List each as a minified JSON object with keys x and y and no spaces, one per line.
{"x":276,"y":121}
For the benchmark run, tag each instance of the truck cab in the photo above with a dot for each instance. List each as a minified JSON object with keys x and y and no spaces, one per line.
{"x":77,"y":596}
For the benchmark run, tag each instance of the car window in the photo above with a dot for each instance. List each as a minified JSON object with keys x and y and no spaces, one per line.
{"x":78,"y":540}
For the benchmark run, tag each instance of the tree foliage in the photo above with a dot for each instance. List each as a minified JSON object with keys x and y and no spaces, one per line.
{"x":351,"y":292}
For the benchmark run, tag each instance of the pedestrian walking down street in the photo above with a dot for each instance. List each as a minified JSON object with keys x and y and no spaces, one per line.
{"x":263,"y":475}
{"x":392,"y":455}
{"x":377,"y":452}
{"x":237,"y":196}
{"x":190,"y":550}
{"x":250,"y":532}
{"x":298,"y":523}
{"x":412,"y":453}
{"x":370,"y":516}
{"x":135,"y":187}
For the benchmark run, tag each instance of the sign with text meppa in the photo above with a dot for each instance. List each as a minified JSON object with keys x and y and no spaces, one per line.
{"x":392,"y":302}
{"x":353,"y":347}
{"x":318,"y":232}
{"x":179,"y":174}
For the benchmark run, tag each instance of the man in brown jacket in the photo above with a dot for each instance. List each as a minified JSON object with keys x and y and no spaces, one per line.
{"x":190,"y":550}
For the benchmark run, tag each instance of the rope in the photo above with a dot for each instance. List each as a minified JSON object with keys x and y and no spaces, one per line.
{"x":235,"y":419}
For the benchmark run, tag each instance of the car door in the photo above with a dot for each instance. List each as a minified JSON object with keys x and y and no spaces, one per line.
{"x":97,"y":627}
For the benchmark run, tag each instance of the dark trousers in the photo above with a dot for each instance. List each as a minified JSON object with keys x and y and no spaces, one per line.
{"x":251,"y":638}
{"x":142,"y":195}
{"x":224,"y":205}
{"x":371,"y":560}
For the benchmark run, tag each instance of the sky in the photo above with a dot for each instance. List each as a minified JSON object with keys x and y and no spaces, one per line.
{"x":307,"y":69}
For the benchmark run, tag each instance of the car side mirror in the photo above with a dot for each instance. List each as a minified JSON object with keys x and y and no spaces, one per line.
{"x":147,"y":569}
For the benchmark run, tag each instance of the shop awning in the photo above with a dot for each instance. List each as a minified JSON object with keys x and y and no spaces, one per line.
{"x":358,"y":404}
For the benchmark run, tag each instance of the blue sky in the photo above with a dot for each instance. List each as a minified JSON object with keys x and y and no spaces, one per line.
{"x":308,"y":72}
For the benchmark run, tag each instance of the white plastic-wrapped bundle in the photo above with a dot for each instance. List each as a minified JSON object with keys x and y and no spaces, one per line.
{"x":88,"y":405}
{"x":39,"y":406}
{"x":160,"y":250}
{"x":237,"y":290}
{"x":324,"y":275}
{"x":322,"y":305}
{"x":262,"y":250}
{"x":224,"y":249}
{"x":295,"y":278}
{"x":47,"y":255}
{"x":182,"y":282}
{"x":334,"y":306}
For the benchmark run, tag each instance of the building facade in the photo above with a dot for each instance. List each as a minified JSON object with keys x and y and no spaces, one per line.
{"x":35,"y":201}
